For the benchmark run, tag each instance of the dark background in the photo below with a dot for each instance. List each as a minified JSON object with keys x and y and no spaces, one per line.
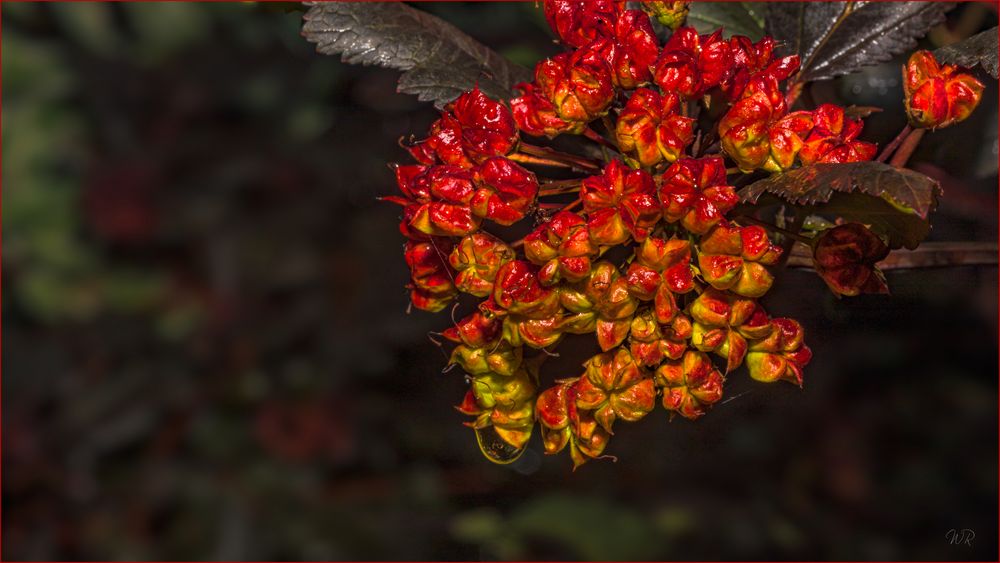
{"x":208,"y":353}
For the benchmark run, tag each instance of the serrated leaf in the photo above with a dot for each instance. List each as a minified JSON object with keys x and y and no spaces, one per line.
{"x":980,"y":49}
{"x":438,"y":61}
{"x":736,"y":18}
{"x":837,"y":38}
{"x":896,"y":202}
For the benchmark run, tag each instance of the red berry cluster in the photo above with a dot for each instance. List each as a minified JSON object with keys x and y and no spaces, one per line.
{"x":686,"y":289}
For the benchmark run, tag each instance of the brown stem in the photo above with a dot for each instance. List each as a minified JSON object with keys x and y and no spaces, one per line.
{"x":791,"y":239}
{"x":610,"y":128}
{"x":559,"y":156}
{"x":560,"y":183}
{"x":708,"y":145}
{"x":599,"y":139}
{"x":887,"y":151}
{"x":558,"y":187}
{"x":560,"y":191}
{"x":696,"y":146}
{"x":793,"y":93}
{"x":927,"y":255}
{"x":528,"y":159}
{"x":906,"y":149}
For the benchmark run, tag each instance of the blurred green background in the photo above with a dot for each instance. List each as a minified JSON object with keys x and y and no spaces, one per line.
{"x":208,"y":354}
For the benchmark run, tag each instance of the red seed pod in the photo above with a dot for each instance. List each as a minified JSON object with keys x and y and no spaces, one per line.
{"x":643,"y":281}
{"x":504,"y":191}
{"x":430,"y":279}
{"x":832,"y":138}
{"x":780,"y":356}
{"x":578,"y":23}
{"x":535,"y":115}
{"x":518,"y":290}
{"x":938,"y":95}
{"x":563,"y":423}
{"x":671,"y":257}
{"x":744,"y":132}
{"x":650,"y":129}
{"x":471,"y":129}
{"x":602,"y":303}
{"x":723,"y":323}
{"x":786,"y":140}
{"x":436,"y":200}
{"x":690,"y":65}
{"x":644,"y":339}
{"x":578,"y":84}
{"x":733,"y":258}
{"x":615,"y":387}
{"x":562,"y":247}
{"x":442,"y":145}
{"x":477,"y":258}
{"x":662,"y":269}
{"x":620,"y":203}
{"x":589,"y":438}
{"x":487,"y":126}
{"x":690,"y":385}
{"x":475,"y":330}
{"x":555,"y":410}
{"x":695,"y":192}
{"x":633,"y":51}
{"x":676,"y":70}
{"x":614,"y":306}
{"x":846,"y":257}
{"x":750,"y":59}
{"x":650,"y":342}
{"x":537,"y":333}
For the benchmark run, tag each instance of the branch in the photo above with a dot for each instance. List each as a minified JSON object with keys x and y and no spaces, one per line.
{"x":928,"y":255}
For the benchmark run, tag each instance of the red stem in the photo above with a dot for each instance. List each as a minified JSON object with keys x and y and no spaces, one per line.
{"x":888,"y":150}
{"x":906,"y":149}
{"x":528,"y":159}
{"x":553,"y":155}
{"x":597,"y":138}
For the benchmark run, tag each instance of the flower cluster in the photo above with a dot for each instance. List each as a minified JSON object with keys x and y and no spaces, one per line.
{"x":675,"y":313}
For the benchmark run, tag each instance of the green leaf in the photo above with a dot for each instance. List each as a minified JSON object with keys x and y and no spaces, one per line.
{"x":895,"y":202}
{"x":980,"y":49}
{"x":736,"y":18}
{"x":837,"y":38}
{"x":439,"y":61}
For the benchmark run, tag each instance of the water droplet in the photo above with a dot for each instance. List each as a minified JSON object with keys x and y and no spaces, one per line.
{"x":494,"y":448}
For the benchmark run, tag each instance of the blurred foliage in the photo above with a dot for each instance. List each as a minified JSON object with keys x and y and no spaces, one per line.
{"x":209,"y":356}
